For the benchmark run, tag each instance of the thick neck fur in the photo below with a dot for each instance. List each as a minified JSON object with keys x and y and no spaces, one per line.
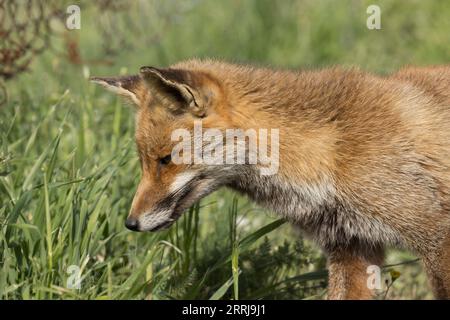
{"x":359,"y":154}
{"x":268,"y":99}
{"x":302,"y":105}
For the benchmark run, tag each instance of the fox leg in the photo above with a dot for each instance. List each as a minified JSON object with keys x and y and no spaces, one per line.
{"x":437,"y":264}
{"x":348,"y":273}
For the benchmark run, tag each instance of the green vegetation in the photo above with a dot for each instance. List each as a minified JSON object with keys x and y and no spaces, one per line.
{"x":68,"y":166}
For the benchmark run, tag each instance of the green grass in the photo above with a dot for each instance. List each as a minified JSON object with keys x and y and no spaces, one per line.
{"x":68,"y":166}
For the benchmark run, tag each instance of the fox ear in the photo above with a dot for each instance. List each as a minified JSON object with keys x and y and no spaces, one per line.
{"x":126,"y":86}
{"x":180,"y":87}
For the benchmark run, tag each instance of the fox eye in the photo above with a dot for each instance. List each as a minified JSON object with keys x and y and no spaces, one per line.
{"x":165,"y":160}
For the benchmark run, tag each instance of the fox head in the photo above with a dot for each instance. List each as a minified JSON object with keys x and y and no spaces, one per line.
{"x":167,"y":100}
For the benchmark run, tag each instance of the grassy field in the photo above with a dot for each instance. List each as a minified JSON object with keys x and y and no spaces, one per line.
{"x":68,"y":166}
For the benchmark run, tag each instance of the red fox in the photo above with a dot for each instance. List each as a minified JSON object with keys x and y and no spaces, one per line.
{"x":364,"y":160}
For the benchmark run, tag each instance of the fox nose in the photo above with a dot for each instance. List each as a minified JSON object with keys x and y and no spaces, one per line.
{"x":132,"y":224}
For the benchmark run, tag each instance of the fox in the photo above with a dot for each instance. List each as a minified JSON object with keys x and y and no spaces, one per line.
{"x":364,"y":159}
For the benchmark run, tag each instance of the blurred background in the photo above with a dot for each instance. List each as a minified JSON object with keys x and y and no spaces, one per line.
{"x":68,"y":166}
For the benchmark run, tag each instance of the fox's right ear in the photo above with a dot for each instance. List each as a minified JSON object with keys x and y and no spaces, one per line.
{"x":129,"y":87}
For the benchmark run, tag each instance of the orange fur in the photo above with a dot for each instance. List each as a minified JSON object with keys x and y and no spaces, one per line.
{"x":364,"y":159}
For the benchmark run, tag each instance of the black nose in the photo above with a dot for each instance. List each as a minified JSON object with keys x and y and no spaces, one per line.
{"x":132,"y":224}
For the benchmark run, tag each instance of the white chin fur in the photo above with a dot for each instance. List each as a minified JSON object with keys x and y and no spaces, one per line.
{"x":150,"y":221}
{"x":181,"y":180}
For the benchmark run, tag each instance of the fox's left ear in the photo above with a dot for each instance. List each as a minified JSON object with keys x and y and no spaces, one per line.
{"x":130,"y":87}
{"x":182,"y":89}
